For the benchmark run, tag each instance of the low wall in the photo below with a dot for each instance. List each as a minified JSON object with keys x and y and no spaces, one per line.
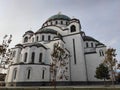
{"x":60,"y":83}
{"x":32,"y":88}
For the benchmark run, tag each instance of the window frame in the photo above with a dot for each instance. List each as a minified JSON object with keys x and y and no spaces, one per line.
{"x":87,"y":44}
{"x":32,"y":57}
{"x":43,"y":37}
{"x":37,"y":38}
{"x":14,"y":53}
{"x":72,"y":28}
{"x":61,"y":22}
{"x":25,"y":56}
{"x":28,"y":75}
{"x":101,"y":53}
{"x":49,"y":37}
{"x":14,"y":73}
{"x":43,"y":74}
{"x":40,"y":57}
{"x":92,"y":44}
{"x":25,"y":39}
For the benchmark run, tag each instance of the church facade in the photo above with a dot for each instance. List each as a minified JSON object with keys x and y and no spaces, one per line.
{"x":31,"y":59}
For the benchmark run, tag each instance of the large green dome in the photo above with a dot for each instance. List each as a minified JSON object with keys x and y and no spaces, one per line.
{"x":59,"y":16}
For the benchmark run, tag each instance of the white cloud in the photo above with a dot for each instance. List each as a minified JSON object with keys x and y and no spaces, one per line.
{"x":112,"y":42}
{"x":99,"y":18}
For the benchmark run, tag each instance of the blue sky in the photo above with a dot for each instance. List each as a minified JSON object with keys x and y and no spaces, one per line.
{"x":99,"y":18}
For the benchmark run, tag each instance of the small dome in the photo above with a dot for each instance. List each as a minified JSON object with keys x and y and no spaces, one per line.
{"x":19,"y":45}
{"x":46,"y":30}
{"x":88,"y":38}
{"x":28,"y":32}
{"x":59,"y":16}
{"x":35,"y":44}
{"x":99,"y":44}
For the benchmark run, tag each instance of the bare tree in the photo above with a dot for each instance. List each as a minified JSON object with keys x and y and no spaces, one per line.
{"x":5,"y":52}
{"x":59,"y":64}
{"x":111,"y":61}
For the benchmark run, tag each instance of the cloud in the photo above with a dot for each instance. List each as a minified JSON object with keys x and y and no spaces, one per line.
{"x":99,"y":18}
{"x":112,"y":42}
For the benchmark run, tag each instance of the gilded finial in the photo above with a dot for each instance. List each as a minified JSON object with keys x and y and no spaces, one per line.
{"x":59,"y":13}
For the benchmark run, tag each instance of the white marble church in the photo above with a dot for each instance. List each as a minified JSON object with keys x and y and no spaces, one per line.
{"x":32,"y":57}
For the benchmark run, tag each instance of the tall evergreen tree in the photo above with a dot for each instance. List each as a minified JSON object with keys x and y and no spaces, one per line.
{"x":102,"y":72}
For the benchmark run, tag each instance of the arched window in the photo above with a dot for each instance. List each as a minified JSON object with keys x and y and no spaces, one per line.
{"x":73,"y":28}
{"x":25,"y":39}
{"x":28,"y":73}
{"x":40,"y":57}
{"x":50,"y":23}
{"x":87,"y":44}
{"x":14,"y":52}
{"x":91,"y":44}
{"x":32,"y":39}
{"x":42,"y":37}
{"x":101,"y":52}
{"x":37,"y":38}
{"x":43,"y":74}
{"x":32,"y":57}
{"x":14,"y":73}
{"x":61,"y":22}
{"x":28,"y":76}
{"x":56,"y":22}
{"x":49,"y":38}
{"x":25,"y":57}
{"x":66,"y":23}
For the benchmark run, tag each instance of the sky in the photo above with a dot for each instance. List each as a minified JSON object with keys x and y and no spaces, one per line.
{"x":99,"y":18}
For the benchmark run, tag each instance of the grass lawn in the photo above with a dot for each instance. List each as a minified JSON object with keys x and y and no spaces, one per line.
{"x":63,"y":88}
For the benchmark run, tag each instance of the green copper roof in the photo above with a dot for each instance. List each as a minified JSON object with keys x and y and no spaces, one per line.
{"x":59,"y":16}
{"x":46,"y":30}
{"x":88,"y":38}
{"x":35,"y":44}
